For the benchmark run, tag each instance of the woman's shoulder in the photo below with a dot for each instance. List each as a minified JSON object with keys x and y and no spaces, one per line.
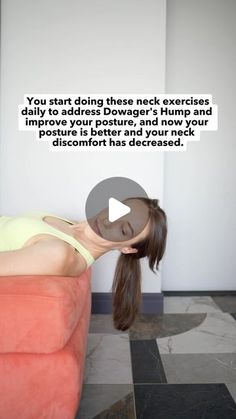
{"x":54,"y":245}
{"x":62,"y":255}
{"x":73,"y":263}
{"x":42,"y":258}
{"x":57,"y":250}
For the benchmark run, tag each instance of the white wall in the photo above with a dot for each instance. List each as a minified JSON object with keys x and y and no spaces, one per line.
{"x":114,"y":47}
{"x":76,"y":46}
{"x":199,"y":185}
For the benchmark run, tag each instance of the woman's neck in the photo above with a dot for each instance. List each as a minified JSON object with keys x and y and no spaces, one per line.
{"x":87,"y":237}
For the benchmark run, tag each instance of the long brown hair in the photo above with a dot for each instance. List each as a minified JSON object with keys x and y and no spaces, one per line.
{"x":126,"y":287}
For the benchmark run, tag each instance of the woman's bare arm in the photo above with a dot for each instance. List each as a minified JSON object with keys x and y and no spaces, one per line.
{"x":52,"y":257}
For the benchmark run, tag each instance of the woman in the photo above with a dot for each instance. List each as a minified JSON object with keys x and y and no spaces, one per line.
{"x":49,"y":245}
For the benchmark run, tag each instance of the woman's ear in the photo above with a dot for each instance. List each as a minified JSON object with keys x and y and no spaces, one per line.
{"x":127,"y":250}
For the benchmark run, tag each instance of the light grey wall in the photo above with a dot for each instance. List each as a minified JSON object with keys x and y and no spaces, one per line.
{"x":75,"y":46}
{"x":200,"y":184}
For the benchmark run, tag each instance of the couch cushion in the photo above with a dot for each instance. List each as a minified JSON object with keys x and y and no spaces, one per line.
{"x":38,"y":314}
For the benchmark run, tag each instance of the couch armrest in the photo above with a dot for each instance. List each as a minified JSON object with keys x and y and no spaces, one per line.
{"x":38,"y":313}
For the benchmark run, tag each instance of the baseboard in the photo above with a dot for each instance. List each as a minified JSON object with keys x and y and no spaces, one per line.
{"x":151,"y":303}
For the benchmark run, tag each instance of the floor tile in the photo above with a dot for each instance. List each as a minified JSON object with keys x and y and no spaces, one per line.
{"x":151,"y":326}
{"x":178,"y":365}
{"x":200,"y":368}
{"x":103,"y":323}
{"x":232,"y":389}
{"x":106,"y":401}
{"x":216,"y":334}
{"x":227,"y":303}
{"x":189,"y":305}
{"x":108,"y":359}
{"x":146,"y":362}
{"x":184,"y":401}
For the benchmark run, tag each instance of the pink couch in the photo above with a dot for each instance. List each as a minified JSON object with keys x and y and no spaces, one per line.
{"x":44,"y":322}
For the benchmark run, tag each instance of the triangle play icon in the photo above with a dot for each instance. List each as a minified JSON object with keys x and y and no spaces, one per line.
{"x":117,"y":209}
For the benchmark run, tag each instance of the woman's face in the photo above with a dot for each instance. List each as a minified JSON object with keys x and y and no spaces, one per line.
{"x":126,"y":230}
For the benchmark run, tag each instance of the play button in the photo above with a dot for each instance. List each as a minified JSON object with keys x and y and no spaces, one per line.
{"x":115,"y":209}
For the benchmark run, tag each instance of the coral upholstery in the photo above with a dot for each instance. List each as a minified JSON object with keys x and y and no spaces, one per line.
{"x":44,"y":322}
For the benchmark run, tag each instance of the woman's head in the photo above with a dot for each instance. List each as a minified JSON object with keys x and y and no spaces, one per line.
{"x":124,"y":231}
{"x":150,"y":243}
{"x":142,"y":231}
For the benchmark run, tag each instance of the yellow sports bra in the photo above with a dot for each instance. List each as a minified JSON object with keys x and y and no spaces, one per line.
{"x":15,"y":231}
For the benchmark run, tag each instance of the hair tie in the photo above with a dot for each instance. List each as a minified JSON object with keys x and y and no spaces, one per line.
{"x":155,"y":203}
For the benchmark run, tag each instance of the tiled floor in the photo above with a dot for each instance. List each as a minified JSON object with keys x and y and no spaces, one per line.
{"x":179,"y":365}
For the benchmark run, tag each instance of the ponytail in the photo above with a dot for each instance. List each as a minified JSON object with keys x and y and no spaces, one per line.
{"x":126,"y":287}
{"x":126,"y":290}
